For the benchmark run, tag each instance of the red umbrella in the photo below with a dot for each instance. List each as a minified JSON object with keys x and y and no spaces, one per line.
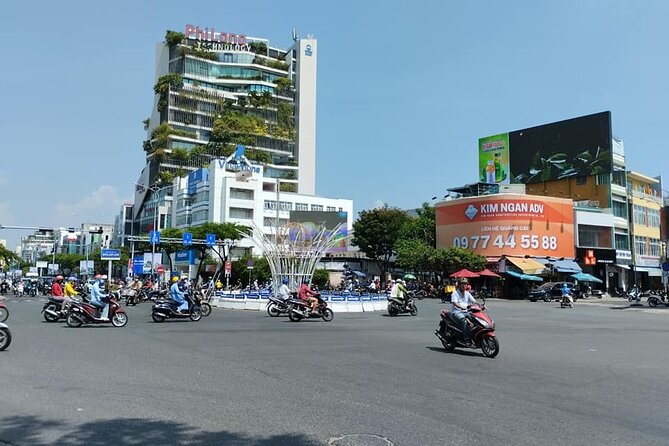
{"x":488,"y":273}
{"x":464,"y":273}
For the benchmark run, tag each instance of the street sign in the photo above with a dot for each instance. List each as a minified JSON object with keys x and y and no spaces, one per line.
{"x":249,"y":264}
{"x":211,"y":240}
{"x":154,"y":237}
{"x":188,"y":238}
{"x":228,"y":267}
{"x":160,"y":269}
{"x":110,"y":254}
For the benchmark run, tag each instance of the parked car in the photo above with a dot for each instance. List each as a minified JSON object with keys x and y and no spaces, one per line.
{"x":548,"y":291}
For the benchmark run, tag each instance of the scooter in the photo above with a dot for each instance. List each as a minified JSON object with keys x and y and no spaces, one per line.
{"x":397,"y":305}
{"x":277,"y":306}
{"x":167,"y":309}
{"x":567,"y":301}
{"x":5,"y":336}
{"x":55,"y":308}
{"x":83,"y":313}
{"x":657,"y":298}
{"x":300,"y":309}
{"x":481,"y":329}
{"x":4,"y":312}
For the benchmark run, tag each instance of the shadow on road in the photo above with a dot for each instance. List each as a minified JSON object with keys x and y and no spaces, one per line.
{"x":457,"y":351}
{"x":29,"y":430}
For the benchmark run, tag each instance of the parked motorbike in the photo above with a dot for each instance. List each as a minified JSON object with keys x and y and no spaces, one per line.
{"x":481,"y":328}
{"x":167,"y":309}
{"x":5,"y":336}
{"x":277,"y":306}
{"x":85,"y":313}
{"x":634,"y":295}
{"x":4,"y":312}
{"x":397,"y":305}
{"x":300,"y":309}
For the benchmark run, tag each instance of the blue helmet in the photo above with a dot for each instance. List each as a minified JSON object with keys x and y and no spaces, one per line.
{"x":284,"y":280}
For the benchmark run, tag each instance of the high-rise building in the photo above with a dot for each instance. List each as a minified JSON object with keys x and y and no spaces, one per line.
{"x":223,"y":99}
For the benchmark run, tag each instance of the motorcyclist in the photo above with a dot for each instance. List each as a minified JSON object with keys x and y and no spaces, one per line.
{"x":69,"y":292}
{"x":461,"y":299}
{"x":283,"y":292}
{"x":57,"y":287}
{"x":400,"y":292}
{"x":306,"y":294}
{"x":177,"y":294}
{"x":566,"y":293}
{"x":98,"y":296}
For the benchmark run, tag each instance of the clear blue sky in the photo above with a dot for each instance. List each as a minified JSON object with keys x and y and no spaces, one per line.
{"x":404,"y":90}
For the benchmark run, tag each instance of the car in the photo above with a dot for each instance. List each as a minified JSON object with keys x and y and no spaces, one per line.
{"x":548,"y":291}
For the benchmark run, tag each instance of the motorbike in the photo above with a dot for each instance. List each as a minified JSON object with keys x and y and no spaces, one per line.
{"x":634,"y":295}
{"x":567,"y":301}
{"x":203,"y":303}
{"x":4,"y":288}
{"x":299,"y":309}
{"x":4,"y":312}
{"x":5,"y":336}
{"x":167,"y":309}
{"x":481,"y":328}
{"x":277,"y":306}
{"x":84,"y":313}
{"x":654,"y":299}
{"x":397,"y":305}
{"x":55,"y":309}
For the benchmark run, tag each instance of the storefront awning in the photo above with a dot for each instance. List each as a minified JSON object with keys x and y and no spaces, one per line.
{"x":585,"y":277}
{"x":527,"y":266}
{"x":562,"y":266}
{"x":652,"y":272}
{"x":524,"y":276}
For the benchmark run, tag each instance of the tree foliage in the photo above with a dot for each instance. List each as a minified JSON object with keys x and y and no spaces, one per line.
{"x":320,"y":278}
{"x":7,"y":256}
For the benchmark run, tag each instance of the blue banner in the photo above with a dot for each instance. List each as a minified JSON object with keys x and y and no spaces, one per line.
{"x":138,"y":265}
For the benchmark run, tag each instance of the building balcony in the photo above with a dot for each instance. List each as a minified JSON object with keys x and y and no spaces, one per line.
{"x":645,"y":196}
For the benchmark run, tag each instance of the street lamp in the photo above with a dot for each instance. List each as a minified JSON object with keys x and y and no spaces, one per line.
{"x":155,"y":189}
{"x":227,"y":244}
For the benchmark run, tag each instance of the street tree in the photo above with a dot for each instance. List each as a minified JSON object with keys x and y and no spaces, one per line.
{"x":376,"y":232}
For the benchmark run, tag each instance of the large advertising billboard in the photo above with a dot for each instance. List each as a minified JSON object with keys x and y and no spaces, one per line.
{"x":306,"y":224}
{"x":507,"y":224}
{"x":571,"y":148}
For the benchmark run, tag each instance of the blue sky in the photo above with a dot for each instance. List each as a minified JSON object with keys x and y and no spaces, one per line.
{"x":404,"y":90}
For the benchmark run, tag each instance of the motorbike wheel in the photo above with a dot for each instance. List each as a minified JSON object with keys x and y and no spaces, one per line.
{"x":157,"y":317}
{"x":414,"y":310}
{"x":4,"y":314}
{"x":5,"y":338}
{"x":392,"y":310}
{"x":272,"y":310}
{"x":294,"y":317}
{"x":490,"y":346}
{"x":74,"y":321}
{"x":651,"y":302}
{"x":50,"y":317}
{"x":448,"y":345}
{"x":195,"y":315}
{"x":206,"y":309}
{"x":119,"y":319}
{"x":328,"y":315}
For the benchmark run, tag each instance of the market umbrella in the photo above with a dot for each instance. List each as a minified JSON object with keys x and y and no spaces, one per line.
{"x":487,"y":273}
{"x":409,"y":277}
{"x":464,"y":273}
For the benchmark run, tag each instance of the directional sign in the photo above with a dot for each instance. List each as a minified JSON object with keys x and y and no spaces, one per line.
{"x":110,"y":254}
{"x":249,"y":264}
{"x":188,"y":238}
{"x":154,"y":237}
{"x":211,"y":240}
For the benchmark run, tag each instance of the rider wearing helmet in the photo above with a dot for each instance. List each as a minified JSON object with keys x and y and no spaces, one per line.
{"x":283,"y":291}
{"x":399,"y":291}
{"x":98,"y":295}
{"x":57,"y":287}
{"x":460,"y":300}
{"x":176,"y":294}
{"x":306,"y":294}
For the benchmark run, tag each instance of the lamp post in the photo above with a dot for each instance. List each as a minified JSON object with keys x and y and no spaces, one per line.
{"x":227,"y":244}
{"x":155,"y":189}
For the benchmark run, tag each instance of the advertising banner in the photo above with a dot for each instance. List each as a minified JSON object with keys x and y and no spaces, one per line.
{"x":494,"y":159}
{"x":507,"y":224}
{"x":306,"y":224}
{"x":148,"y":262}
{"x":570,"y":148}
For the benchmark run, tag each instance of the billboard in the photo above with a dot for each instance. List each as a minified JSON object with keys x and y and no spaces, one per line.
{"x":571,"y":148}
{"x":306,"y":224}
{"x":507,"y":224}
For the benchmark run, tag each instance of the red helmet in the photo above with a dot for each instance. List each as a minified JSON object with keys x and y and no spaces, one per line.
{"x":59,"y":277}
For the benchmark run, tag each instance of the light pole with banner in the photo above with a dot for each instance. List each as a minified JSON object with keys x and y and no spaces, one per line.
{"x":227,"y":245}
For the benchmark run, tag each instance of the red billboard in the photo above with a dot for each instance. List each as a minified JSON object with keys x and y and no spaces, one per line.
{"x":507,"y":224}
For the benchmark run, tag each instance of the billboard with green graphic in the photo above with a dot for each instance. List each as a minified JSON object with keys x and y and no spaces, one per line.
{"x":494,"y":159}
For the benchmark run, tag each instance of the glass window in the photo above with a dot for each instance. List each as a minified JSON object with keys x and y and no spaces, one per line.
{"x":640,"y":245}
{"x":622,"y":242}
{"x":301,"y":207}
{"x":246,"y":214}
{"x":620,"y":209}
{"x":270,"y":204}
{"x":654,"y":218}
{"x":331,"y":209}
{"x":639,"y":215}
{"x":242,"y":194}
{"x":595,"y":236}
{"x":654,"y":247}
{"x":317,"y":207}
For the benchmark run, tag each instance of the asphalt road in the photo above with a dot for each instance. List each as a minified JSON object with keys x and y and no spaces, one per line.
{"x":594,"y":374}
